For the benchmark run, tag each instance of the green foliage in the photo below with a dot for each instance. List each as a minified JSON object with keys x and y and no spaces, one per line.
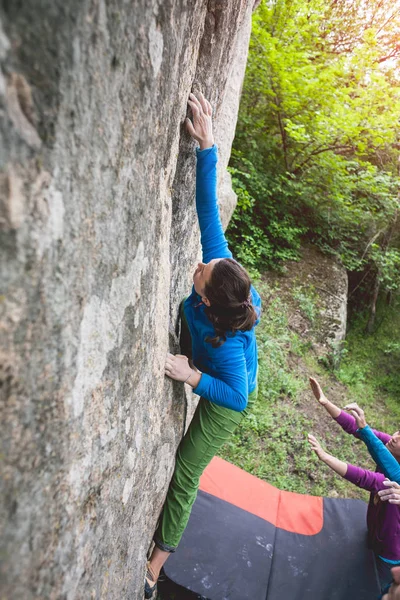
{"x":271,"y":428}
{"x":262,"y":232}
{"x":371,"y":364}
{"x":306,"y":298}
{"x":333,"y":358}
{"x":316,"y":147}
{"x":388,"y":264}
{"x":316,"y":158}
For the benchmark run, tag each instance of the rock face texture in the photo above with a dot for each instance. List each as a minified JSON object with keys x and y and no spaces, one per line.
{"x":98,"y":239}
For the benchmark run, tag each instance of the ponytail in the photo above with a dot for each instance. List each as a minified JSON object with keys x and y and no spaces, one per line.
{"x":231,"y":308}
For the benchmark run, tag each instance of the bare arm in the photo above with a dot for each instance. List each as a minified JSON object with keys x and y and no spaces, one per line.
{"x":334,"y":463}
{"x":362,"y":478}
{"x":331,"y":408}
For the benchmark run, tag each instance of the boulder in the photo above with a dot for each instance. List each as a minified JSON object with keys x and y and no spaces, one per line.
{"x":315,"y":289}
{"x":99,"y":239}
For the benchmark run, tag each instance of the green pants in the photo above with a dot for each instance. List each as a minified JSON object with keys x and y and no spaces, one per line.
{"x":210,"y":428}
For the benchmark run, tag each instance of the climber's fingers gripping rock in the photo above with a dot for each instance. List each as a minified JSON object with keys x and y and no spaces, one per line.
{"x":201,"y":126}
{"x":177,"y":367}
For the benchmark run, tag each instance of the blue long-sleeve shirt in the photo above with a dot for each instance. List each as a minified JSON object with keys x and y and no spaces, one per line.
{"x":381,"y":455}
{"x":229,"y":372}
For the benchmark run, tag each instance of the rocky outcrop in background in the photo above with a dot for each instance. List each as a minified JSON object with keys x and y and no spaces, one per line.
{"x":99,"y":238}
{"x":315,"y":289}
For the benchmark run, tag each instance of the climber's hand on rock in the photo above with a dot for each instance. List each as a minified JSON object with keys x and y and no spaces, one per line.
{"x":201,"y":127}
{"x":177,"y":367}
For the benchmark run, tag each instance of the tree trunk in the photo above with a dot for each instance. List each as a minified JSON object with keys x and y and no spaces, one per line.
{"x":372,"y":313}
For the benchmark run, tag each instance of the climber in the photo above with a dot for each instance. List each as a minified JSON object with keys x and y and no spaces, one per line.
{"x":383,"y":519}
{"x":221,"y":314}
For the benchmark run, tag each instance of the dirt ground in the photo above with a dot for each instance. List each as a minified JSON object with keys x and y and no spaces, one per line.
{"x":320,"y":277}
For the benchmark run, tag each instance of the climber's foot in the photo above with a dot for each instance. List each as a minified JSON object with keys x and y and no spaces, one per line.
{"x":150,"y":582}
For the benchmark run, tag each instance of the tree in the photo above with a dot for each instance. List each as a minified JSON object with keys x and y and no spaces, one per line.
{"x":316,"y":144}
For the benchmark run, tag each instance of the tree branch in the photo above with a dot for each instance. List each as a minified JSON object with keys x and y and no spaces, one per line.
{"x":334,"y":147}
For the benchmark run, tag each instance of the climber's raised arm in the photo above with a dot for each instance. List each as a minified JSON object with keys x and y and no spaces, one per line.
{"x":201,"y":129}
{"x":213,"y":241}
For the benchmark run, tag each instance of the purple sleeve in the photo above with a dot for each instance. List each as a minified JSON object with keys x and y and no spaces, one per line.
{"x":349,"y":424}
{"x":367,"y":480}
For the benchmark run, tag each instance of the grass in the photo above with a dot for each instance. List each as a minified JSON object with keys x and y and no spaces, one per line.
{"x":272,"y":442}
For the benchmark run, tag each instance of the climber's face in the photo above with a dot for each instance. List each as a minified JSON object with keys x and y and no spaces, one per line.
{"x":394,"y":590}
{"x":394,"y":445}
{"x":202,"y":276}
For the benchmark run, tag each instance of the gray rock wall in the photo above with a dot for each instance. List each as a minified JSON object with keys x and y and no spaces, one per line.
{"x":99,"y":238}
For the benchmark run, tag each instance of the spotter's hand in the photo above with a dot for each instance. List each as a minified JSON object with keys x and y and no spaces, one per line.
{"x":317,"y":391}
{"x":392,"y":493}
{"x":357,"y":413}
{"x":316,"y":446}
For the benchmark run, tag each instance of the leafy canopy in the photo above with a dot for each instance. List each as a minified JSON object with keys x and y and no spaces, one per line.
{"x":315,"y":154}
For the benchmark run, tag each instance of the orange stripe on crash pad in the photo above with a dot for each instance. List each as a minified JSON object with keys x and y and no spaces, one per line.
{"x":297,"y":513}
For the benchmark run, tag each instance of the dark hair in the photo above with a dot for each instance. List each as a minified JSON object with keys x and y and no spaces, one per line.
{"x":228,"y":291}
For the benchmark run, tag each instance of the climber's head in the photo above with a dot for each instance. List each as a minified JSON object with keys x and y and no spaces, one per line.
{"x":224,"y":286}
{"x":202,"y":276}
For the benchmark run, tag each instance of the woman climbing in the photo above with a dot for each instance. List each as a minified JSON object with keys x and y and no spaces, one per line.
{"x":221,"y":314}
{"x":383,"y":519}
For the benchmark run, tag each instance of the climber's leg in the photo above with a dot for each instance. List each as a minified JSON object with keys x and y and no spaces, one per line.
{"x":154,"y":567}
{"x":210,"y":428}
